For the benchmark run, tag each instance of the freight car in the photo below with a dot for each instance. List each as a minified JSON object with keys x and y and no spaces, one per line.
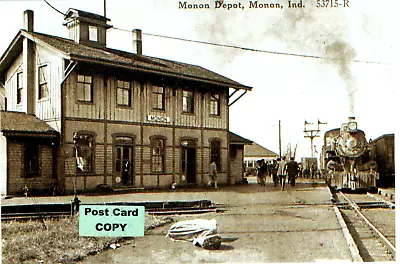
{"x":383,"y":148}
{"x":348,"y":160}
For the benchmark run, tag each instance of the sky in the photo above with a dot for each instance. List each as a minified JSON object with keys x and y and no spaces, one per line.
{"x":304,"y":64}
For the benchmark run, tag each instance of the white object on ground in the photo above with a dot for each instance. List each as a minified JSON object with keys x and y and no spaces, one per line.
{"x":198,"y":231}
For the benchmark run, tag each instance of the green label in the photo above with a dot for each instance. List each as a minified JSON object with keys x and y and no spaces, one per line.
{"x":111,"y":220}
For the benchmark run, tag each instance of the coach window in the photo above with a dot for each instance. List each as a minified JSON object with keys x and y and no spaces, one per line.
{"x":215,"y":146}
{"x":84,"y":153}
{"x":31,"y":159}
{"x":85,"y":88}
{"x":215,"y":104}
{"x":157,"y":155}
{"x":158,"y":97}
{"x":188,"y":101}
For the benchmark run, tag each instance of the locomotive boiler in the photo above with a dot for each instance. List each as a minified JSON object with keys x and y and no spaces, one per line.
{"x":348,"y":158}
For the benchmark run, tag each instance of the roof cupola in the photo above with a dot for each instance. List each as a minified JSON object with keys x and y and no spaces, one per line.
{"x":87,"y":28}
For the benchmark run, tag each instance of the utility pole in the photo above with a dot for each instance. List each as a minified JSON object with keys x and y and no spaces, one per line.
{"x":312,"y":133}
{"x":280,"y":145}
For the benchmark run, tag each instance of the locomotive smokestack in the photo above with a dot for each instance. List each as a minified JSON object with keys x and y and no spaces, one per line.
{"x":352,"y":118}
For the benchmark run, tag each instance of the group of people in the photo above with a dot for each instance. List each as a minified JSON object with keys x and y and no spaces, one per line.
{"x":279,"y":169}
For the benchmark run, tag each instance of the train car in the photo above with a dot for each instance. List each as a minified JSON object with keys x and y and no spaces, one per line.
{"x":349,"y":162}
{"x":384,"y":151}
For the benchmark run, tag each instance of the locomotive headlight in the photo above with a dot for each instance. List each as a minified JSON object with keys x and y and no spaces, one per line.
{"x":352,"y":126}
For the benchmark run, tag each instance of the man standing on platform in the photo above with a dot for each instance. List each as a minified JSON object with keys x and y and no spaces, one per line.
{"x":282,"y":169}
{"x":213,"y":175}
{"x":292,"y":170}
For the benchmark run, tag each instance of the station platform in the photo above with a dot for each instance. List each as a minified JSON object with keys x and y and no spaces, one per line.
{"x":178,"y":194}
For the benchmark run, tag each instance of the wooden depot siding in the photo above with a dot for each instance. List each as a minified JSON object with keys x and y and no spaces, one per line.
{"x":107,"y":119}
{"x":188,"y":119}
{"x":11,"y":85}
{"x":86,"y":110}
{"x":49,"y":109}
{"x":123,"y":113}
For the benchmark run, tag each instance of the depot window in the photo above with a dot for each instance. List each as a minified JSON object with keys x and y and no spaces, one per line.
{"x":93,"y":35}
{"x":43,"y":88}
{"x":123,"y":93}
{"x":31,"y":159}
{"x":215,"y":104}
{"x":157,"y":155}
{"x":158,"y":97}
{"x":84,"y":153}
{"x":215,"y":146}
{"x":85,"y":88}
{"x":20,"y":87}
{"x":188,"y":101}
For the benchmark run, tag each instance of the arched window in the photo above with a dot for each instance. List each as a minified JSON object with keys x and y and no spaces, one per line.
{"x":157,"y":146}
{"x":215,"y":149}
{"x":84,"y":148}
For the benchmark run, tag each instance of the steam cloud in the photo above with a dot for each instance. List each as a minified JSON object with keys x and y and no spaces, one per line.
{"x":342,"y":54}
{"x":321,"y":38}
{"x":301,"y":30}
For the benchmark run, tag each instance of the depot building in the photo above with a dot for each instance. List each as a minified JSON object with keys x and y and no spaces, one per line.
{"x":79,"y":115}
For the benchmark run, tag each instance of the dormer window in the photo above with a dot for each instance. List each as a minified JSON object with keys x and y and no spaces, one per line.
{"x":93,"y":33}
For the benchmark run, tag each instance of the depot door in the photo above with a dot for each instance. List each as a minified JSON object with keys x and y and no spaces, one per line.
{"x":188,"y":149}
{"x":123,"y":162}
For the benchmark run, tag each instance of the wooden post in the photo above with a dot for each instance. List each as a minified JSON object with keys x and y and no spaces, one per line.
{"x":280,"y":146}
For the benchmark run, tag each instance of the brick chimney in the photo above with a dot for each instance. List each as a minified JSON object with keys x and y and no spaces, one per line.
{"x":28,"y":20}
{"x":137,"y":41}
{"x":28,"y":66}
{"x":87,"y":28}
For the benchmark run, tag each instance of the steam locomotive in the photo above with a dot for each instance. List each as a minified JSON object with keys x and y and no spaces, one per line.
{"x":348,"y":159}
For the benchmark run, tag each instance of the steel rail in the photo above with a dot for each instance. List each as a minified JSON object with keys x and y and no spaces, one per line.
{"x":390,"y":204}
{"x":151,"y":211}
{"x":357,"y":209}
{"x":354,"y":251}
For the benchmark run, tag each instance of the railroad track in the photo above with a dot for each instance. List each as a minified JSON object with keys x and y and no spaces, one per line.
{"x":44,"y":211}
{"x":371,"y":226}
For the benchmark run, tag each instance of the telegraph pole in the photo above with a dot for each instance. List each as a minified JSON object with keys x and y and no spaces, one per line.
{"x":312,"y":133}
{"x":280,"y":145}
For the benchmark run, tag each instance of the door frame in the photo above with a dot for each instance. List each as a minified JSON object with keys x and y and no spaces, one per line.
{"x":185,"y":144}
{"x":123,"y":140}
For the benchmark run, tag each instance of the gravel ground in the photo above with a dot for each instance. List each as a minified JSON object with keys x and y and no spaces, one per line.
{"x":261,"y":225}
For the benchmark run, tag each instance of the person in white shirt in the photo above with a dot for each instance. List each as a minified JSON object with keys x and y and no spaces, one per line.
{"x":282,"y":170}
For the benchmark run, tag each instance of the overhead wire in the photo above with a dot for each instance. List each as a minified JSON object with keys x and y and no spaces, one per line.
{"x":238,"y":47}
{"x":251,"y":49}
{"x":54,"y":7}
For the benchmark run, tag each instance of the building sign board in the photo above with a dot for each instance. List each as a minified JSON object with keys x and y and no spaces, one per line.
{"x":155,"y":118}
{"x":111,"y":221}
